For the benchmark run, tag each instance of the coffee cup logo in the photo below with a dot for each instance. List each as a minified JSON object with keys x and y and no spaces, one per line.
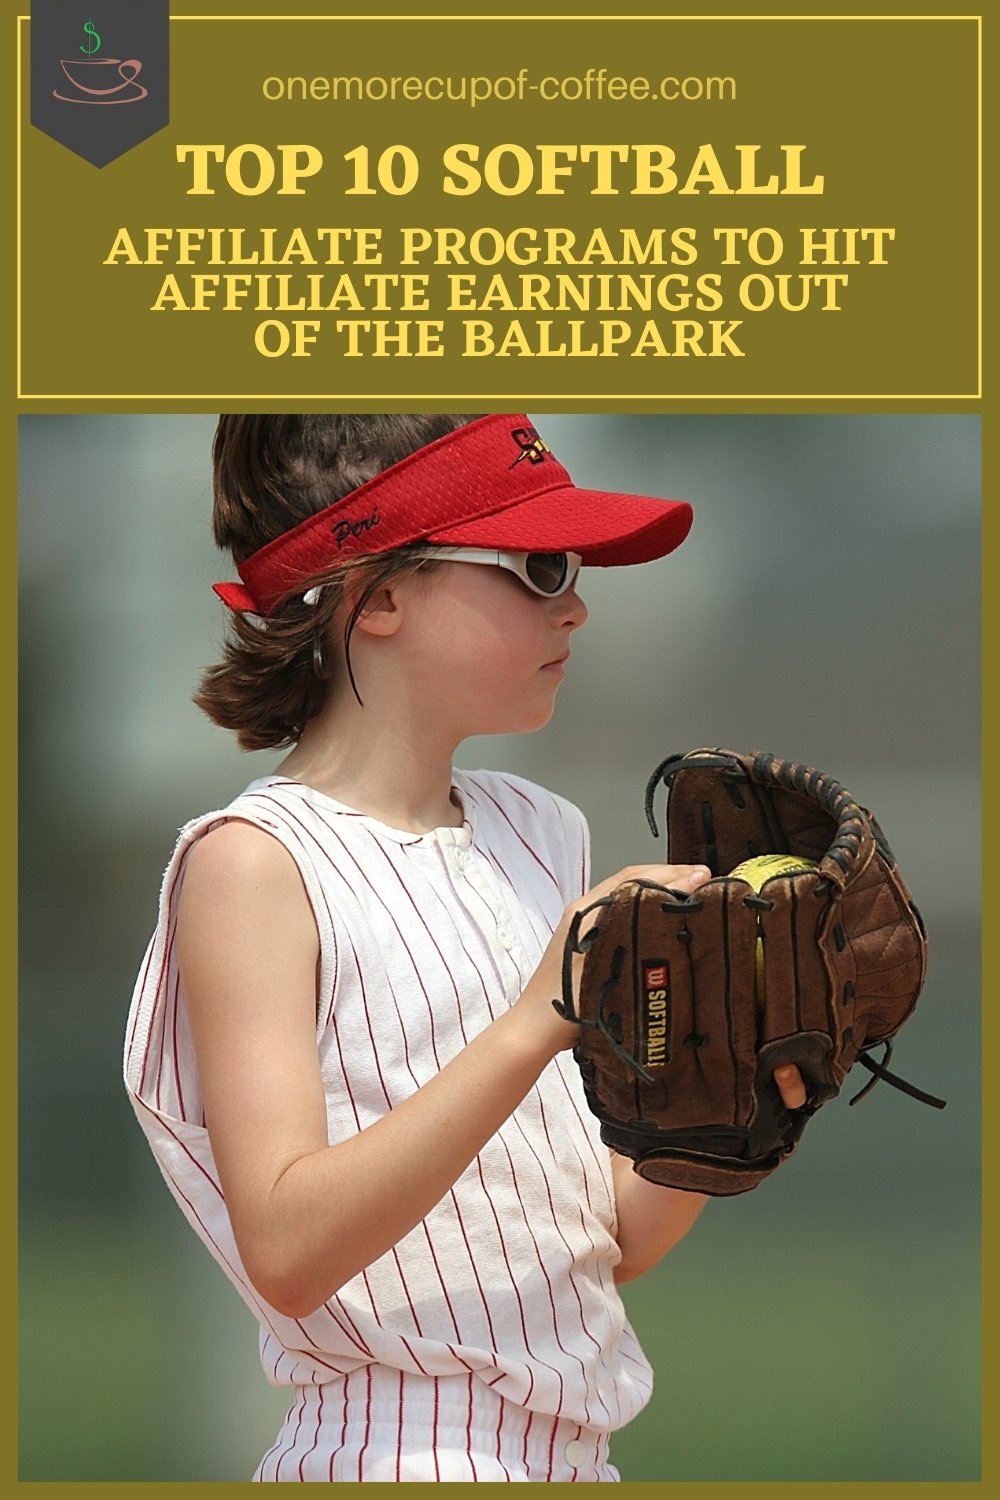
{"x":99,"y":80}
{"x":117,"y":53}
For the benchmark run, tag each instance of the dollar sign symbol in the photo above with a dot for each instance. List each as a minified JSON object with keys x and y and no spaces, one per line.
{"x":90,"y":31}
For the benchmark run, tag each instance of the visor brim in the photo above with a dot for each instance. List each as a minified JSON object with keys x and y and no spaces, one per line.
{"x":607,"y":529}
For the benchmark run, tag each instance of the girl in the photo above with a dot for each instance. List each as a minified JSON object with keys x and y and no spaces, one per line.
{"x":342,"y":1045}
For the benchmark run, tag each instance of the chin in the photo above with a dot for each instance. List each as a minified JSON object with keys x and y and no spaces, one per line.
{"x":529,"y":723}
{"x":505,"y":715}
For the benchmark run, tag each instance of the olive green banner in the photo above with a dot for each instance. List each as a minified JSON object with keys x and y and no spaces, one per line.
{"x":511,"y":210}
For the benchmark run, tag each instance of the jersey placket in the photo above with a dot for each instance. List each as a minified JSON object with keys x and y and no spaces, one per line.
{"x":477,"y":873}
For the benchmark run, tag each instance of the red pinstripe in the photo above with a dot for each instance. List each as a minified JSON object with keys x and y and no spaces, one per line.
{"x":294,"y":1436}
{"x":542,"y":930}
{"x":570,"y":1278}
{"x":475,"y":926}
{"x":523,"y":841}
{"x":234,"y":1272}
{"x":343,"y":1429}
{"x":475,"y":1270}
{"x":544,"y":1270}
{"x":468,"y":1432}
{"x":552,"y":1451}
{"x":434,"y":1435}
{"x":437,"y":1270}
{"x":170,"y":924}
{"x":437,"y":949}
{"x":509,"y":782}
{"x":352,"y":1333}
{"x":513,"y":1282}
{"x":315,"y":1441}
{"x":175,"y":1003}
{"x":411,"y":1309}
{"x":411,"y":1352}
{"x":368,"y":1424}
{"x":324,"y":854}
{"x":576,"y":1472}
{"x":140,"y":985}
{"x":499,"y":1430}
{"x":155,"y":1019}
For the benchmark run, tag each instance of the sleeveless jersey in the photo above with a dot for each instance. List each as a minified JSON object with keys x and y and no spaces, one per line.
{"x":424,"y":940}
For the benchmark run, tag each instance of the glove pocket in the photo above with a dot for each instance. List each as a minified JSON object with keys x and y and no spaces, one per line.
{"x":716,"y":819}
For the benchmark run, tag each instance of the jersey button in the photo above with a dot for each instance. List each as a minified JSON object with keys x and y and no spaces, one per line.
{"x":576,"y":1453}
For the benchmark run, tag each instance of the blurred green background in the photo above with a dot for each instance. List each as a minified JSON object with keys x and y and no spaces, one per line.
{"x":826,"y":607}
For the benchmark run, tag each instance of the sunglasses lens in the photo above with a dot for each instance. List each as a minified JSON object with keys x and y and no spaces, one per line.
{"x":547,"y":571}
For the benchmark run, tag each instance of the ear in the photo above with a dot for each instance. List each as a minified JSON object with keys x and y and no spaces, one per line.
{"x":382,"y":614}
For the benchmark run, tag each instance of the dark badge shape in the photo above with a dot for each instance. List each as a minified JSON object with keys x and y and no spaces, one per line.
{"x":533,"y":448}
{"x":100,"y":73}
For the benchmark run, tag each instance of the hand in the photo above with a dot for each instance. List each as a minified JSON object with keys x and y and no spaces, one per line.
{"x":790,"y":1086}
{"x":546,"y":983}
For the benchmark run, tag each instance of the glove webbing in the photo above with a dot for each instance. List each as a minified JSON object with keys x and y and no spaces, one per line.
{"x":816,"y":786}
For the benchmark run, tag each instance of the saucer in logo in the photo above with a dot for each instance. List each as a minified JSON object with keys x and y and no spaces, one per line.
{"x":101,"y":80}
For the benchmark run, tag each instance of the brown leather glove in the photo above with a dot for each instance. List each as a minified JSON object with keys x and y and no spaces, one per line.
{"x":683,"y":1026}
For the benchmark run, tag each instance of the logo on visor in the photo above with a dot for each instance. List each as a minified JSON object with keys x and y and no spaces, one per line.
{"x":531,"y":445}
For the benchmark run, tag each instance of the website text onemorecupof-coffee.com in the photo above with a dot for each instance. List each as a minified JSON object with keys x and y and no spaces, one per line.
{"x":595,"y":85}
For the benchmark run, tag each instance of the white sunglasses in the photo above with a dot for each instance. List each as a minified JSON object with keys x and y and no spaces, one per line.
{"x":546,"y":573}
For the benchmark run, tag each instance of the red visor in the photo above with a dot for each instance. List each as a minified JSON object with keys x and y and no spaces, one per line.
{"x":492,"y":483}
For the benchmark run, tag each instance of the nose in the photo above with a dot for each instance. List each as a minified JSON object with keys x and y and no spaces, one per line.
{"x":572,"y":612}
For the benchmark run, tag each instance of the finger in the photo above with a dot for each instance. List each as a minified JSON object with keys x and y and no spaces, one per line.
{"x":790,"y":1086}
{"x":688,"y":877}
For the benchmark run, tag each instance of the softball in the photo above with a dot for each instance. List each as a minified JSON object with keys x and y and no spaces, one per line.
{"x":756,"y":872}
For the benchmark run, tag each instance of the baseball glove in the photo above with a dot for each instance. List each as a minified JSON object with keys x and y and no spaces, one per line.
{"x":688,"y":1003}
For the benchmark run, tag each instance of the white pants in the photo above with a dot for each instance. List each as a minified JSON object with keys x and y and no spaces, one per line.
{"x":381,"y":1424}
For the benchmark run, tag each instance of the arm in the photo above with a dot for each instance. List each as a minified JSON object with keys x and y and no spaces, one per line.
{"x":651,"y":1219}
{"x":307,"y":1215}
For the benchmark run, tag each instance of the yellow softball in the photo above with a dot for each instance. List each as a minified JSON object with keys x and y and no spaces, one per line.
{"x":756,"y":872}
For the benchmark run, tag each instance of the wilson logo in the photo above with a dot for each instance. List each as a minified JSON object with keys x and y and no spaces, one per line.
{"x":656,"y":999}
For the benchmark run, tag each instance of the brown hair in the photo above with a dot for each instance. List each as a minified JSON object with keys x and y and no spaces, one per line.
{"x":270,"y":473}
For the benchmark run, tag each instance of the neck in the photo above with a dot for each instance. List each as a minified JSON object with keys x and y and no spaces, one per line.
{"x":388,"y":765}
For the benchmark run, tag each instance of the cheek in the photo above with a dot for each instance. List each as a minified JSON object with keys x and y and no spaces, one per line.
{"x":499,"y":635}
{"x":482,"y":658}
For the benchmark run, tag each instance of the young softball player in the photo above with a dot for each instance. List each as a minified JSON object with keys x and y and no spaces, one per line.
{"x":342,"y":1045}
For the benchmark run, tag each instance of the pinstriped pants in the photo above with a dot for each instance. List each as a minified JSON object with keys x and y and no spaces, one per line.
{"x":381,"y":1424}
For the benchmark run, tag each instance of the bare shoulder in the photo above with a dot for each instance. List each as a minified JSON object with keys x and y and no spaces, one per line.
{"x":240,"y":875}
{"x":239,"y":851}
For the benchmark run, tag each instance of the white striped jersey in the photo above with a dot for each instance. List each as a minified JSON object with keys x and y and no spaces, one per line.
{"x":424,"y":940}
